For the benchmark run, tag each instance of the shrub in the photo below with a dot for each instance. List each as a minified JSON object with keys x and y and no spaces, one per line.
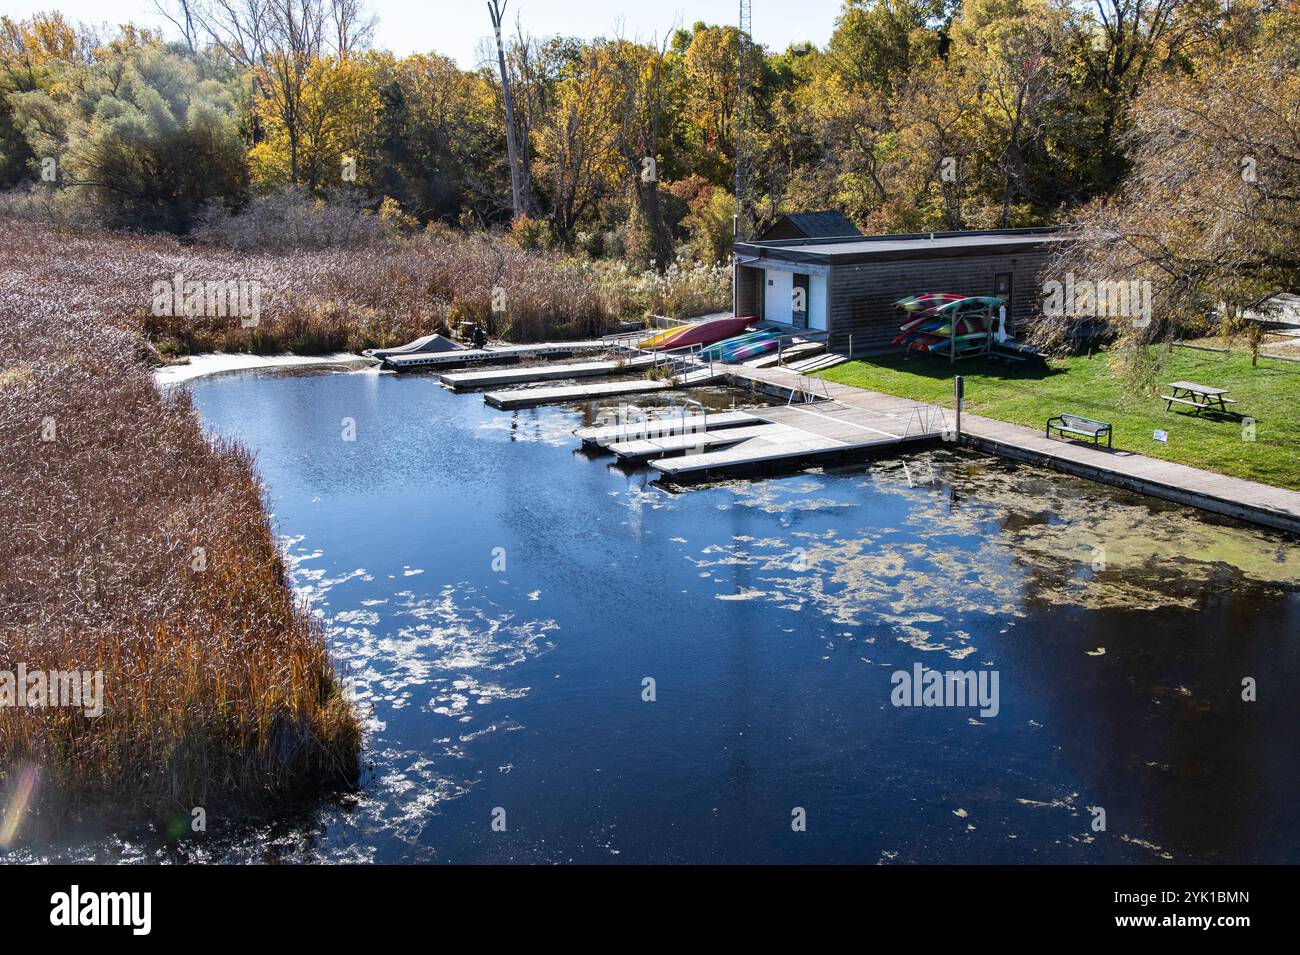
{"x":531,"y":235}
{"x":710,"y":224}
{"x":290,"y":219}
{"x":142,"y":141}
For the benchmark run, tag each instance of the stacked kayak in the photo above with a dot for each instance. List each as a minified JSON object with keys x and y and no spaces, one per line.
{"x":921,"y":310}
{"x":743,"y":347}
{"x":697,"y":333}
{"x":942,"y":322}
{"x":927,"y":301}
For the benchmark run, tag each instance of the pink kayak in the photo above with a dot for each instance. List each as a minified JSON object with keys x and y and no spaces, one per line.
{"x":706,"y":333}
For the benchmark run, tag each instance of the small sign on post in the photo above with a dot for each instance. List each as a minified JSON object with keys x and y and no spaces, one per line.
{"x":1161,"y":436}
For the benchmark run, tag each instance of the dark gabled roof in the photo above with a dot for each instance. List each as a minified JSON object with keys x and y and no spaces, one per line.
{"x":826,"y":224}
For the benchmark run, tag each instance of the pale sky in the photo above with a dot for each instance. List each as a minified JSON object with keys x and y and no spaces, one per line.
{"x":455,"y":27}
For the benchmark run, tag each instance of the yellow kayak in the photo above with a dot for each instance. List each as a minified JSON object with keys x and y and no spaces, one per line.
{"x":657,"y":341}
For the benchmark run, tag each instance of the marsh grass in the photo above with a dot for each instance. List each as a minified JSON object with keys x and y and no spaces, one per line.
{"x":377,"y":294}
{"x":219,"y":691}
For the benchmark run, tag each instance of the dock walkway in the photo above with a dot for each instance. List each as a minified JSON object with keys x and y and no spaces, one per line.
{"x":1263,"y":504}
{"x":485,"y":356}
{"x":465,"y":380}
{"x":531,"y":397}
{"x":1221,"y":493}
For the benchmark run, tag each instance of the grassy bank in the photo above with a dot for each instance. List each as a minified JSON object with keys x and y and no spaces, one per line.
{"x":136,"y":546}
{"x":383,"y":291}
{"x":1028,"y":394}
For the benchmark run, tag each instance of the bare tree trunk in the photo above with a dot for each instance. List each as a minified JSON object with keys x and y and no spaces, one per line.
{"x":497,"y":9}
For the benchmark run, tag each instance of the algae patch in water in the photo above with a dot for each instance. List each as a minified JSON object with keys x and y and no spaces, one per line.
{"x":986,"y":538}
{"x":1111,"y":549}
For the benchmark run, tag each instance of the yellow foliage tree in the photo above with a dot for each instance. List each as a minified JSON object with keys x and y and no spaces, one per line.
{"x":334,"y":115}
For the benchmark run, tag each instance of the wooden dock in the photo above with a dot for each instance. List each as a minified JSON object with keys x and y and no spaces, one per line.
{"x":807,"y":432}
{"x":663,"y":426}
{"x":532,"y":397}
{"x":467,"y":380}
{"x":487,"y":356}
{"x":688,"y":441}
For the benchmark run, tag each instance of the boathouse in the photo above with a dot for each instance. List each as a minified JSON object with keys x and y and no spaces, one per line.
{"x":850,"y":283}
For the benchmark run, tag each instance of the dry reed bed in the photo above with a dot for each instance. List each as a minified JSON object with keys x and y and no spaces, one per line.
{"x":378,"y":294}
{"x":219,"y":691}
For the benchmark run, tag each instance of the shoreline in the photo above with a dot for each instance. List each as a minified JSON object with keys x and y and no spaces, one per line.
{"x":216,"y":363}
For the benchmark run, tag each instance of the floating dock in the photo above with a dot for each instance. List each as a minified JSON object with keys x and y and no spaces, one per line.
{"x":467,"y":380}
{"x":662,"y":426}
{"x":692,"y":441}
{"x":488,"y":356}
{"x":811,"y":431}
{"x":532,"y":397}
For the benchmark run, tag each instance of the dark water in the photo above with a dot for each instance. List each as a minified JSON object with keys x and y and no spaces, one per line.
{"x":771,"y":615}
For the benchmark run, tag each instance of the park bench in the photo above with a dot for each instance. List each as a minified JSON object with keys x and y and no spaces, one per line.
{"x":1083,"y":427}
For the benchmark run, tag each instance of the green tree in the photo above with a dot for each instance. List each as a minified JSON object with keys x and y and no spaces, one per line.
{"x":141,"y":138}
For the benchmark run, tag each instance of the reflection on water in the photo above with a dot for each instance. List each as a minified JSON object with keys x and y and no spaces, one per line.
{"x":496,"y":600}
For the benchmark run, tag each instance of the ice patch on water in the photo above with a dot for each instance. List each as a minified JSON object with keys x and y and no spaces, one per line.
{"x":365,"y":617}
{"x":441,"y":655}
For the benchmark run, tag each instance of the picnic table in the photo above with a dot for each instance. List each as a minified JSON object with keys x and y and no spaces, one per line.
{"x":1200,"y":397}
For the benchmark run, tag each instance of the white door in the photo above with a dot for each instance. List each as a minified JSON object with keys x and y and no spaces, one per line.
{"x":777,"y":289}
{"x":817,"y":302}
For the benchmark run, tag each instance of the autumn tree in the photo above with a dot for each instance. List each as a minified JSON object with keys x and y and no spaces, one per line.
{"x":710,"y":64}
{"x":35,"y":54}
{"x":578,"y":147}
{"x":643,"y":74}
{"x":1210,"y":215}
{"x":435,"y":124}
{"x":1012,"y":48}
{"x":278,"y":42}
{"x":334,"y":114}
{"x":1115,"y":45}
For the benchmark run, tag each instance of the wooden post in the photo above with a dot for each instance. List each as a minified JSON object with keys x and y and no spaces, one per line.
{"x":959,"y":389}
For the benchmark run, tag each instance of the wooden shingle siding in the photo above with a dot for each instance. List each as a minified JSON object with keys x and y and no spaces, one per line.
{"x":861,"y":297}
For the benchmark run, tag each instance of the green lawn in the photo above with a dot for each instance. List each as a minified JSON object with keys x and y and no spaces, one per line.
{"x":1028,"y":393}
